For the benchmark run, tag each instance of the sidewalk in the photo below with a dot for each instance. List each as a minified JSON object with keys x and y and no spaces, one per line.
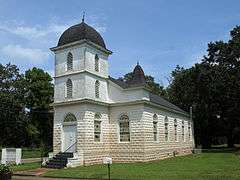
{"x":34,"y":174}
{"x":37,"y":178}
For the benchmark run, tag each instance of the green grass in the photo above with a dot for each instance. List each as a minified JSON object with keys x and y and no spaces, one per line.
{"x":216,"y":166}
{"x":26,"y":166}
{"x":31,"y":153}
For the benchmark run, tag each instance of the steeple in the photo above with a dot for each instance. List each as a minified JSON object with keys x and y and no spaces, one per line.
{"x":138,"y":76}
{"x":83,"y":17}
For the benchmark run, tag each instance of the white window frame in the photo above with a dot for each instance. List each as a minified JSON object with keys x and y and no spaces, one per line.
{"x":67,"y":67}
{"x":155,"y":121}
{"x":99,"y":119}
{"x":66,"y":89}
{"x":96,"y":63}
{"x":97,"y":89}
{"x":119,"y":136}
{"x":166,"y":124}
{"x":183,"y":131}
{"x":175,"y":126}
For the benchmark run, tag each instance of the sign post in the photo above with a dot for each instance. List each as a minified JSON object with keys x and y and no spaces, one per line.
{"x":108,"y":161}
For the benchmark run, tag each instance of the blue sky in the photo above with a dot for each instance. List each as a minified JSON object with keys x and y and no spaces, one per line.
{"x":159,"y":33}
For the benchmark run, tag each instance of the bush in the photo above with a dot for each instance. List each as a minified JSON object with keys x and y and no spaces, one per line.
{"x":4,"y":169}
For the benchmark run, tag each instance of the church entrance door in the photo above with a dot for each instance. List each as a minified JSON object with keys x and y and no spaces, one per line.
{"x":69,"y":138}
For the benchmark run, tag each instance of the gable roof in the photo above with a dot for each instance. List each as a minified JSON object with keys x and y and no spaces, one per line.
{"x":163,"y":102}
{"x":152,"y":97}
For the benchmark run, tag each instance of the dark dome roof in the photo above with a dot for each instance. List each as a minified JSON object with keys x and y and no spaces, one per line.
{"x":79,"y":32}
{"x":138,"y":76}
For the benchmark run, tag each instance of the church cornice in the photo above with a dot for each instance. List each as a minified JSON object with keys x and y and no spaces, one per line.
{"x":136,"y":102}
{"x":80,"y":42}
{"x":80,"y":72}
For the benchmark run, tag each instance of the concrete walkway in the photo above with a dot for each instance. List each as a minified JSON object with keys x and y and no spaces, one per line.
{"x":37,"y":178}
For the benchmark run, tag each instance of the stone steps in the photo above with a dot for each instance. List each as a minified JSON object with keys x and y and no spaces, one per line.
{"x":59,"y":160}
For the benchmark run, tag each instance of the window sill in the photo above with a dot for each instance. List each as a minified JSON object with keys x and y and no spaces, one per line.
{"x":124,"y":142}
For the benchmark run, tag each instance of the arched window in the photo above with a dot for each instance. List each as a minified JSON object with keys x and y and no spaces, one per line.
{"x":175,"y":129}
{"x":69,"y":88}
{"x":96,"y":63}
{"x":155,"y":129}
{"x":155,"y":117}
{"x":69,"y":61}
{"x":166,"y":128}
{"x":97,"y":85}
{"x":70,"y":118}
{"x":97,"y":127}
{"x":183,"y":133}
{"x":124,"y":128}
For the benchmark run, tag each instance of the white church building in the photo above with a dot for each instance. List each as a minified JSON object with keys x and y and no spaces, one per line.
{"x":97,"y":116}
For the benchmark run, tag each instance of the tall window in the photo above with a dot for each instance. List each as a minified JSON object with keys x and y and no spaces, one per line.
{"x":69,"y":61}
{"x":175,"y":129}
{"x":96,"y":63}
{"x":124,"y":128}
{"x":97,"y":127}
{"x":166,"y":128}
{"x":189,"y":131}
{"x":155,"y":130}
{"x":183,"y":131}
{"x":69,"y":88}
{"x":97,"y":85}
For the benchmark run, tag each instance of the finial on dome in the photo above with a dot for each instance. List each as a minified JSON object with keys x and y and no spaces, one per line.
{"x":83,"y":16}
{"x":137,"y":62}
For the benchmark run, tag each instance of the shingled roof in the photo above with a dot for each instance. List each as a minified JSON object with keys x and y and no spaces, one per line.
{"x":139,"y":81}
{"x":80,"y":32}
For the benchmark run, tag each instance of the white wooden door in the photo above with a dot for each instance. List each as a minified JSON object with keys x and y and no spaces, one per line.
{"x":69,"y":138}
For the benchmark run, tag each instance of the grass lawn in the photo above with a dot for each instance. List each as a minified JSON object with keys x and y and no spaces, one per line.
{"x":26,"y":166}
{"x":29,"y":153}
{"x":202,"y":166}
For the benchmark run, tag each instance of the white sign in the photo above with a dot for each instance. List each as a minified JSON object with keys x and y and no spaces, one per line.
{"x":11,"y":155}
{"x":107,"y":160}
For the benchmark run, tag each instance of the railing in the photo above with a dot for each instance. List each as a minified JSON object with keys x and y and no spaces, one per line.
{"x":70,"y":147}
{"x":47,"y":152}
{"x":67,"y":150}
{"x":61,"y":159}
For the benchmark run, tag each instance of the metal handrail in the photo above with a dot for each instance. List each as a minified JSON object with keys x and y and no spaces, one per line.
{"x":70,"y":147}
{"x":60,"y":151}
{"x":48,"y":152}
{"x":67,"y":150}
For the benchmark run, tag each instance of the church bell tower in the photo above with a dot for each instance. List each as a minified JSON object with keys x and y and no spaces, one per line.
{"x":81,"y":65}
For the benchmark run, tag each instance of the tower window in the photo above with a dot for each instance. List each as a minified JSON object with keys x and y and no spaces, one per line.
{"x":96,"y":63}
{"x":69,"y":88}
{"x":69,"y":61}
{"x":97,"y":85}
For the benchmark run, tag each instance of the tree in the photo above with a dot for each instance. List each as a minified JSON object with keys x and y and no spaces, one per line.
{"x":12,"y":119}
{"x":38,"y":98}
{"x":212,"y":87}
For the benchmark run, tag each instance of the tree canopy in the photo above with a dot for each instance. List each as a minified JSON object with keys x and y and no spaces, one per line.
{"x":212,"y":88}
{"x":18,"y":93}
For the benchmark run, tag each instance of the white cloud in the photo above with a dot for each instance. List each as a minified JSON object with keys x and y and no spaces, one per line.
{"x":19,"y":53}
{"x":33,"y":32}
